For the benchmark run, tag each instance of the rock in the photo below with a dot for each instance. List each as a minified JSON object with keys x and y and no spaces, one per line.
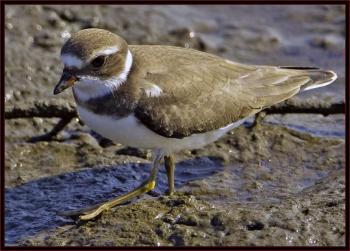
{"x":47,"y":39}
{"x":327,"y":42}
{"x":255,"y":225}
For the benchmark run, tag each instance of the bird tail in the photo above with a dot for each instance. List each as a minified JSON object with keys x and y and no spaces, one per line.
{"x":319,"y":77}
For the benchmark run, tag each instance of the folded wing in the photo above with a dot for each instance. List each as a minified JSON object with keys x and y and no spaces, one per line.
{"x":205,"y":92}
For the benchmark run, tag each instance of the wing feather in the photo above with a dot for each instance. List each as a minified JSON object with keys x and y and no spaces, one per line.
{"x":202,"y":92}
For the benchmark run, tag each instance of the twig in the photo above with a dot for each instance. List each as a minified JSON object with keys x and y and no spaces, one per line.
{"x":66,"y":111}
{"x":53,"y":109}
{"x":43,"y":109}
{"x":53,"y":133}
{"x":307,"y":106}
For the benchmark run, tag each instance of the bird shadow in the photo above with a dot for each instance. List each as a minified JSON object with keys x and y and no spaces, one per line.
{"x":34,"y":206}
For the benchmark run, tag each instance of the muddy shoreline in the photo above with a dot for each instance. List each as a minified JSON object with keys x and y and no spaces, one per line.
{"x":279,"y":183}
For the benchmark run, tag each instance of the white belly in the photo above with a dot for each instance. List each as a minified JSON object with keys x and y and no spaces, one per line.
{"x":130,"y":132}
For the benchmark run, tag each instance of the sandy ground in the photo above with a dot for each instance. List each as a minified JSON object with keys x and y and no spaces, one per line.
{"x":279,"y":183}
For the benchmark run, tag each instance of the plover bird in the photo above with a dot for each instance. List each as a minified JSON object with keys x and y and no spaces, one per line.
{"x":168,"y":98}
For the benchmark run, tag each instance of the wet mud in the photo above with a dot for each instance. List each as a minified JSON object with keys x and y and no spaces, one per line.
{"x":281,"y":182}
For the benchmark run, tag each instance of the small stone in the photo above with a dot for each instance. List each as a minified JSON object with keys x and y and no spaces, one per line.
{"x":327,"y":42}
{"x":46,"y":39}
{"x":218,"y":221}
{"x":168,"y":219}
{"x":255,"y":225}
{"x":9,"y":26}
{"x":177,"y":239}
{"x":188,"y":220}
{"x":54,"y":20}
{"x":68,"y":15}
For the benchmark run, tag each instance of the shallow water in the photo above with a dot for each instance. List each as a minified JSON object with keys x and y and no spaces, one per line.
{"x":281,"y":183}
{"x":34,"y":206}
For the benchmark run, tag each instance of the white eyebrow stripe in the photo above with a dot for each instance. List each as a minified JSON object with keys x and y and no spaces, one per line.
{"x":107,"y":51}
{"x":71,"y":61}
{"x":90,"y":87}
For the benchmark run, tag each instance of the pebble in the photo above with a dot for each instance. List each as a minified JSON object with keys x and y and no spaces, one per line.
{"x":9,"y":26}
{"x":328,"y":42}
{"x":46,"y":39}
{"x":54,"y":20}
{"x":188,"y":220}
{"x":255,"y":225}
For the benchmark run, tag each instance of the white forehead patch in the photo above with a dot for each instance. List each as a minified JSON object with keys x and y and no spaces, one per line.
{"x":107,"y":51}
{"x":71,"y":61}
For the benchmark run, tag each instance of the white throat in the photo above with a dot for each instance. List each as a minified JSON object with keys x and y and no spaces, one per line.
{"x":91,"y":87}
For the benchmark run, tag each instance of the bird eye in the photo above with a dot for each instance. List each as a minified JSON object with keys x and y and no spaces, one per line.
{"x":98,"y":62}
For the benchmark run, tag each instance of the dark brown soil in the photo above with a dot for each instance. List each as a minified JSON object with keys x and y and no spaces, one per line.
{"x":279,"y":183}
